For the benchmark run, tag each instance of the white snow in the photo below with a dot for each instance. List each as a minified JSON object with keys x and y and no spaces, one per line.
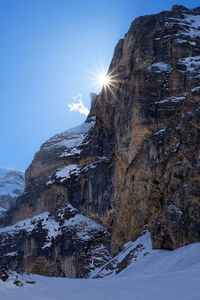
{"x":83,"y":225}
{"x":174,"y":210}
{"x":188,"y":29}
{"x":74,"y":169}
{"x":192,"y":43}
{"x":27,"y":224}
{"x":192,"y":25}
{"x":159,"y":275}
{"x":48,"y":223}
{"x":159,"y":67}
{"x":160,"y":131}
{"x":2,"y":210}
{"x":162,"y":37}
{"x":196,"y":89}
{"x":176,"y":147}
{"x":67,"y":171}
{"x":94,"y":164}
{"x":71,"y":139}
{"x":189,"y":25}
{"x":11,"y":254}
{"x":192,"y":65}
{"x":174,"y":99}
{"x":139,"y":248}
{"x":180,"y":41}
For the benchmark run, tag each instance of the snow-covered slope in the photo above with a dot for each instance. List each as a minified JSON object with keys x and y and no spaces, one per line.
{"x":11,"y":186}
{"x":158,"y":275}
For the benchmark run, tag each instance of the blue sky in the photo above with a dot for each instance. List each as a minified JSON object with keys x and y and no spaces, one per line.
{"x":49,"y":51}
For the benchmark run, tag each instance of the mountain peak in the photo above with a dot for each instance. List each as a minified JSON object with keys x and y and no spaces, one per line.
{"x":179,"y":8}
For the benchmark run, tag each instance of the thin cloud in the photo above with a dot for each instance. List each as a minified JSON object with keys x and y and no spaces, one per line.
{"x":78,"y":105}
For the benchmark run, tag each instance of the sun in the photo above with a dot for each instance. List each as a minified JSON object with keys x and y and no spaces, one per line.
{"x":103,"y":79}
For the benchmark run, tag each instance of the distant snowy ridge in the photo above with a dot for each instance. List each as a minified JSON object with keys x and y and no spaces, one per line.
{"x":11,"y":186}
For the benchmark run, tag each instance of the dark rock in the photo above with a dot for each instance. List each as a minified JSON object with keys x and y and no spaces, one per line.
{"x":30,"y":282}
{"x":18,"y":283}
{"x":4,"y":275}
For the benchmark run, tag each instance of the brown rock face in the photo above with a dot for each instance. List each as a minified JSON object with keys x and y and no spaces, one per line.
{"x":135,"y":163}
{"x":153,"y":112}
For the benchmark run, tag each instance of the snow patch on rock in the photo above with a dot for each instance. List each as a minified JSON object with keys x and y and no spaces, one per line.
{"x":196,"y":90}
{"x":70,"y":170}
{"x":160,"y":131}
{"x":83,"y":226}
{"x":160,"y":67}
{"x":71,"y":140}
{"x":172,"y":99}
{"x":172,"y":209}
{"x":130,"y":253}
{"x":191,"y":66}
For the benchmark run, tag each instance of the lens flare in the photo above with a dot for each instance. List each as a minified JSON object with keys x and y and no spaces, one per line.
{"x":103,"y":79}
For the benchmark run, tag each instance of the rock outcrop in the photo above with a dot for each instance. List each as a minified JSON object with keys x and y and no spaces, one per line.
{"x":133,"y":165}
{"x":65,"y":243}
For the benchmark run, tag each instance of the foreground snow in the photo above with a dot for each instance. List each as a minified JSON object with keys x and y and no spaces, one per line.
{"x":160,"y":275}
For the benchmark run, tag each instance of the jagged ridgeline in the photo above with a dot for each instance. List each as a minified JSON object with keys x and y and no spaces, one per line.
{"x":134,"y":165}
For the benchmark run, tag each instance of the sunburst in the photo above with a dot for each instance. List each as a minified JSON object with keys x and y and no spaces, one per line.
{"x":103,"y":79}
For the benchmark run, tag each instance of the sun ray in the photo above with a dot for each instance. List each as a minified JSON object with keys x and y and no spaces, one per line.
{"x":103,"y":79}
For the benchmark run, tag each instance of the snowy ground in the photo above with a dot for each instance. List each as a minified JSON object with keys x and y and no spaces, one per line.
{"x":160,"y":275}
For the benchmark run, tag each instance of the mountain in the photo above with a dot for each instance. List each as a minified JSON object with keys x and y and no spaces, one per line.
{"x":134,"y":165}
{"x":11,"y":186}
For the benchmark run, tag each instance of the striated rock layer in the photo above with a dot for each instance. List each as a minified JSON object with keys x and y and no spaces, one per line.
{"x":133,"y":165}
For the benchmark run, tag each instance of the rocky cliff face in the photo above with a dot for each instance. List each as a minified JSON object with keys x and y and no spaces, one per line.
{"x":11,"y":187}
{"x":133,"y":165}
{"x":156,"y":129}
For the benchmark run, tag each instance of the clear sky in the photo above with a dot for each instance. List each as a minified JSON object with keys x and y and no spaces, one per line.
{"x":49,"y":51}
